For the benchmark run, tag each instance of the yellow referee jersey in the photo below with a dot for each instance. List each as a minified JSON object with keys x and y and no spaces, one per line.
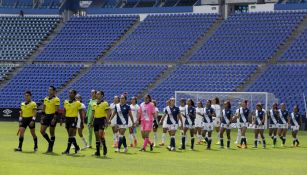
{"x":51,"y":104}
{"x":100,"y":109}
{"x":72,"y":108}
{"x":27,"y":109}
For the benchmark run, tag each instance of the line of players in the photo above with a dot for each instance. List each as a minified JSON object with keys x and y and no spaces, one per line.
{"x":199,"y":120}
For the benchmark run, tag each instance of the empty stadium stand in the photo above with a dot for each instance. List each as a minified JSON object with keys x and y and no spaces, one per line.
{"x":163,"y":38}
{"x":20,"y":36}
{"x":115,"y":79}
{"x":85,"y":38}
{"x":287,"y":82}
{"x":249,"y":36}
{"x":297,"y":51}
{"x":36,"y":78}
{"x":5,"y":69}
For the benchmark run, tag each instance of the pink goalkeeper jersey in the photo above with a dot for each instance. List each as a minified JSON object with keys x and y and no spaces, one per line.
{"x":147,"y":111}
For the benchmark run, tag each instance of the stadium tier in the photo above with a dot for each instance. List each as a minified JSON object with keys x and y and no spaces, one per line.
{"x":287,"y":82}
{"x":5,"y":69}
{"x":37,"y":78}
{"x":297,"y":51}
{"x":85,"y":38}
{"x":20,"y":36}
{"x":30,"y":4}
{"x":202,"y":78}
{"x":163,"y":37}
{"x":115,"y":80}
{"x":249,"y":36}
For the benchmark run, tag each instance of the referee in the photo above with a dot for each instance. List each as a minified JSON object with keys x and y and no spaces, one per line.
{"x":27,"y":119}
{"x":49,"y":118}
{"x":71,"y":109}
{"x":99,"y":120}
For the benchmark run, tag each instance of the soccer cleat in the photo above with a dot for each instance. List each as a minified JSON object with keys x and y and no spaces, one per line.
{"x":65,"y":152}
{"x":236,"y":142}
{"x":161,"y":144}
{"x":221,"y":147}
{"x":35,"y":148}
{"x":243,"y":146}
{"x":168,"y":148}
{"x":255,"y":147}
{"x":18,"y":149}
{"x":96,"y":154}
{"x":116,"y":150}
{"x":264,"y":146}
{"x":151,"y":146}
{"x":173,"y":149}
{"x":191,"y":149}
{"x":239,"y":146}
{"x":104,"y":156}
{"x":142,"y":149}
{"x":125,"y":150}
{"x":217,"y":143}
{"x":180,"y":148}
{"x":77,"y":149}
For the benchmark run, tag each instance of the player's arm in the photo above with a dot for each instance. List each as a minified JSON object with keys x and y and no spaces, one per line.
{"x":92,"y":118}
{"x":263,"y":120}
{"x":162,"y":119}
{"x":201,"y":114}
{"x":108,"y":112}
{"x":82,"y":116}
{"x":253,"y":117}
{"x":113,"y":114}
{"x":63,"y":116}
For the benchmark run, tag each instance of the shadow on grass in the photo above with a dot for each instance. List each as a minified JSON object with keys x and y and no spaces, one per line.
{"x":51,"y":154}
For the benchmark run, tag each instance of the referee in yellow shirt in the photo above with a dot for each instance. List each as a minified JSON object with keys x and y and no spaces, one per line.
{"x":49,"y":118}
{"x":99,"y":122}
{"x":27,"y":119}
{"x":71,"y":109}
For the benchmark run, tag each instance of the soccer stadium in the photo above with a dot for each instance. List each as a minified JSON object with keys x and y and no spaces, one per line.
{"x":153,"y":87}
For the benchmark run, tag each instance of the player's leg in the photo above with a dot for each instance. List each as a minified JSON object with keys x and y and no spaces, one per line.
{"x":238,"y":138}
{"x":256,"y":132}
{"x":263,"y":138}
{"x":192,"y":133}
{"x":172,"y":133}
{"x":209,"y":139}
{"x":46,"y":136}
{"x":115,"y":135}
{"x":163,"y":138}
{"x":284,"y":135}
{"x":131,"y":136}
{"x":21,"y":137}
{"x":228,"y":130}
{"x":155,"y":132}
{"x":97,"y":137}
{"x":183,"y":137}
{"x":80,"y":133}
{"x":32,"y":130}
{"x":222,"y":130}
{"x":122,"y":139}
{"x":217,"y":129}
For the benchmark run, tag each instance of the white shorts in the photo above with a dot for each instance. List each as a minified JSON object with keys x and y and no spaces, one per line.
{"x":242,"y":125}
{"x":165,"y":125}
{"x":189,"y":126}
{"x":199,"y":123}
{"x":295,"y":128}
{"x":208,"y":126}
{"x":283,"y":126}
{"x":217,"y":122}
{"x":225,"y":126}
{"x":259,"y":126}
{"x":273,"y":126}
{"x":79,"y":122}
{"x":130,"y":122}
{"x":113,"y":121}
{"x":122,"y":126}
{"x":173,"y":127}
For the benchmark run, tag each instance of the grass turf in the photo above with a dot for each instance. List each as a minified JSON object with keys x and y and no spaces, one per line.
{"x":286,"y":160}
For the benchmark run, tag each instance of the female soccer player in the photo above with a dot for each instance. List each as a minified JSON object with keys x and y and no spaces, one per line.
{"x":27,"y":119}
{"x":80,"y":123}
{"x":258,"y":121}
{"x":72,"y":108}
{"x":199,"y":120}
{"x":208,"y":123}
{"x":113,"y":122}
{"x":155,"y":123}
{"x":273,"y":125}
{"x":122,"y":112}
{"x":295,"y":120}
{"x":243,"y":114}
{"x":282,"y":122}
{"x":132,"y":130}
{"x":147,"y":112}
{"x":164,"y":125}
{"x":189,"y":124}
{"x":49,"y":116}
{"x":227,"y":117}
{"x":99,"y":122}
{"x":89,"y":115}
{"x":174,"y":116}
{"x":217,"y":120}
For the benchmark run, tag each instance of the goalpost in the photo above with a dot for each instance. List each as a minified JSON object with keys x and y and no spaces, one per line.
{"x":265,"y":98}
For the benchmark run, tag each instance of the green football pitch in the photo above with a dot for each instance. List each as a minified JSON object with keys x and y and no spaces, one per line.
{"x":285,"y":160}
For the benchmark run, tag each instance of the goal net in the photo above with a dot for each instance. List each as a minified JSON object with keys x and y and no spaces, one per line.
{"x":265,"y":98}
